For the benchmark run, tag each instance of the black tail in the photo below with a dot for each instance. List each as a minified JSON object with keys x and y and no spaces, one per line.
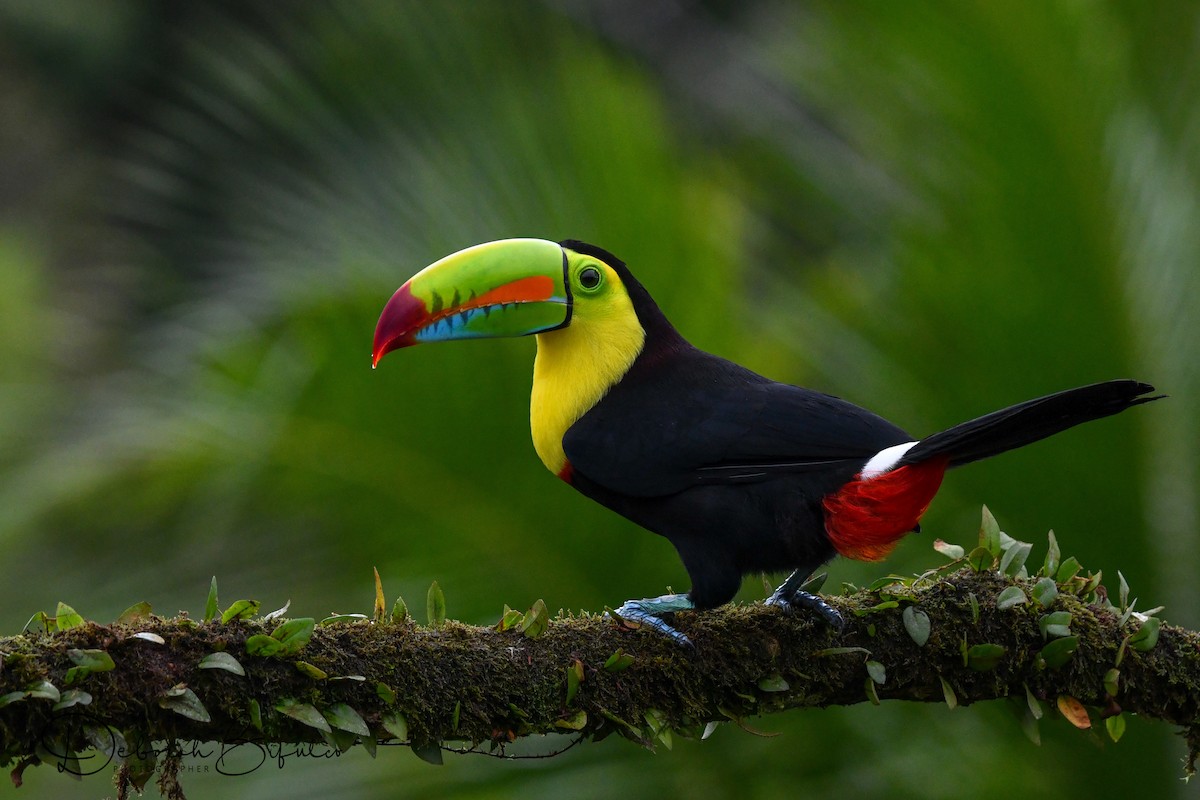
{"x":1025,"y":423}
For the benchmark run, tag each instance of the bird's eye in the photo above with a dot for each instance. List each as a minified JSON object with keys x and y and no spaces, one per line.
{"x":589,"y":277}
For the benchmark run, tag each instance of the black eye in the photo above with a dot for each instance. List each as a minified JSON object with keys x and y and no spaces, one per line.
{"x":589,"y":278}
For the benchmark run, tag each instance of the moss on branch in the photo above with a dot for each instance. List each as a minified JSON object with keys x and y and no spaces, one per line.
{"x":454,"y":682}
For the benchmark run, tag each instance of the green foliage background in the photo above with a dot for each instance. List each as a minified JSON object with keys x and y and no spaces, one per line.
{"x":932,"y":209}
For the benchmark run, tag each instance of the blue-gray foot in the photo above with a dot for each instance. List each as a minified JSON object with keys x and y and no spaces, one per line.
{"x":790,"y":597}
{"x":649,"y":612}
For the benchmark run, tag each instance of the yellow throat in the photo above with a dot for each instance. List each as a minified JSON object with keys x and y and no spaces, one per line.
{"x":578,"y":364}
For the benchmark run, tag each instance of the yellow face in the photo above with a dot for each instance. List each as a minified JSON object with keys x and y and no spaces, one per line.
{"x":577,"y":364}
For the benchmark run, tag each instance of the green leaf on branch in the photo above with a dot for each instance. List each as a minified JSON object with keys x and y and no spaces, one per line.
{"x":380,"y":609}
{"x":1050,"y":565}
{"x":435,"y":611}
{"x":262,"y":645}
{"x":1011,"y":597}
{"x":574,"y":679}
{"x":1067,"y":570}
{"x":303,"y":713}
{"x":980,"y":559}
{"x":223,"y":661}
{"x":916,"y":623}
{"x":618,"y":661}
{"x":984,"y":657}
{"x":1014,"y":558}
{"x":773,"y":683}
{"x":948,"y":693}
{"x":536,"y":619}
{"x":183,"y":701}
{"x":989,"y":533}
{"x":137,"y":611}
{"x":950,"y":551}
{"x":1115,"y":725}
{"x":242,"y":609}
{"x":1045,"y":592}
{"x":210,"y":605}
{"x":1054,"y":624}
{"x":1146,"y":636}
{"x":293,"y":635}
{"x":345,"y":718}
{"x":66,"y":618}
{"x":1058,"y":652}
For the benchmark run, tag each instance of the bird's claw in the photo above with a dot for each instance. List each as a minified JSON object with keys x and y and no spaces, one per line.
{"x":645,"y":612}
{"x":791,"y":601}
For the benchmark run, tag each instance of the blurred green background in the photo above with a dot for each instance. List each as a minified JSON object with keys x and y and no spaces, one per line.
{"x":933,"y":209}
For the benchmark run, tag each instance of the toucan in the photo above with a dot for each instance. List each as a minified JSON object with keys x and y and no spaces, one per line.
{"x":740,"y":473}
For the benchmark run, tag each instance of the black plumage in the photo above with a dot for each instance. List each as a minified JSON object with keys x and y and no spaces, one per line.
{"x":735,"y":469}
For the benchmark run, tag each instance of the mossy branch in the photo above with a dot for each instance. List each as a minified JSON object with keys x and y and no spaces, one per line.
{"x":459,"y":683}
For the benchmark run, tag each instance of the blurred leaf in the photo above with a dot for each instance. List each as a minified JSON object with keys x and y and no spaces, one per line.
{"x":91,"y":660}
{"x":380,"y":602}
{"x":435,"y":609}
{"x":396,"y":724}
{"x":429,"y":753}
{"x":43,"y":690}
{"x":1115,"y":725}
{"x":312,"y":671}
{"x":66,"y":618}
{"x":137,"y":611}
{"x":575,"y":722}
{"x":277,"y":613}
{"x":773,"y":683}
{"x":73,"y":697}
{"x":1034,"y":705}
{"x":989,"y":533}
{"x":210,"y":605}
{"x":1112,"y":682}
{"x":1050,"y":565}
{"x":948,"y":693}
{"x":950,"y":551}
{"x":1074,"y":712}
{"x":223,"y":661}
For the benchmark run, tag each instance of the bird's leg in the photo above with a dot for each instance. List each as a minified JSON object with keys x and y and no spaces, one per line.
{"x":789,"y":596}
{"x":650,"y":610}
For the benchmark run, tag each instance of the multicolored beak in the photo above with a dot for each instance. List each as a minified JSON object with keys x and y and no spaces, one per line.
{"x":511,"y":287}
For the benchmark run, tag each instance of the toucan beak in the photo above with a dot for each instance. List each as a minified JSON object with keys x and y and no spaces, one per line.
{"x":511,"y":287}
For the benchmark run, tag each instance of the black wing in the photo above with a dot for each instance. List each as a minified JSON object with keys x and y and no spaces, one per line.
{"x":692,"y":418}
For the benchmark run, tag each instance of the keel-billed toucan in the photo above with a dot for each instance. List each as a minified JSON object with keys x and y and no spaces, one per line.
{"x":740,"y":473}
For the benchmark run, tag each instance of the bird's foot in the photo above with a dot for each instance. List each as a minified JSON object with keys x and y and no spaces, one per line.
{"x":795,"y":599}
{"x":649,"y":612}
